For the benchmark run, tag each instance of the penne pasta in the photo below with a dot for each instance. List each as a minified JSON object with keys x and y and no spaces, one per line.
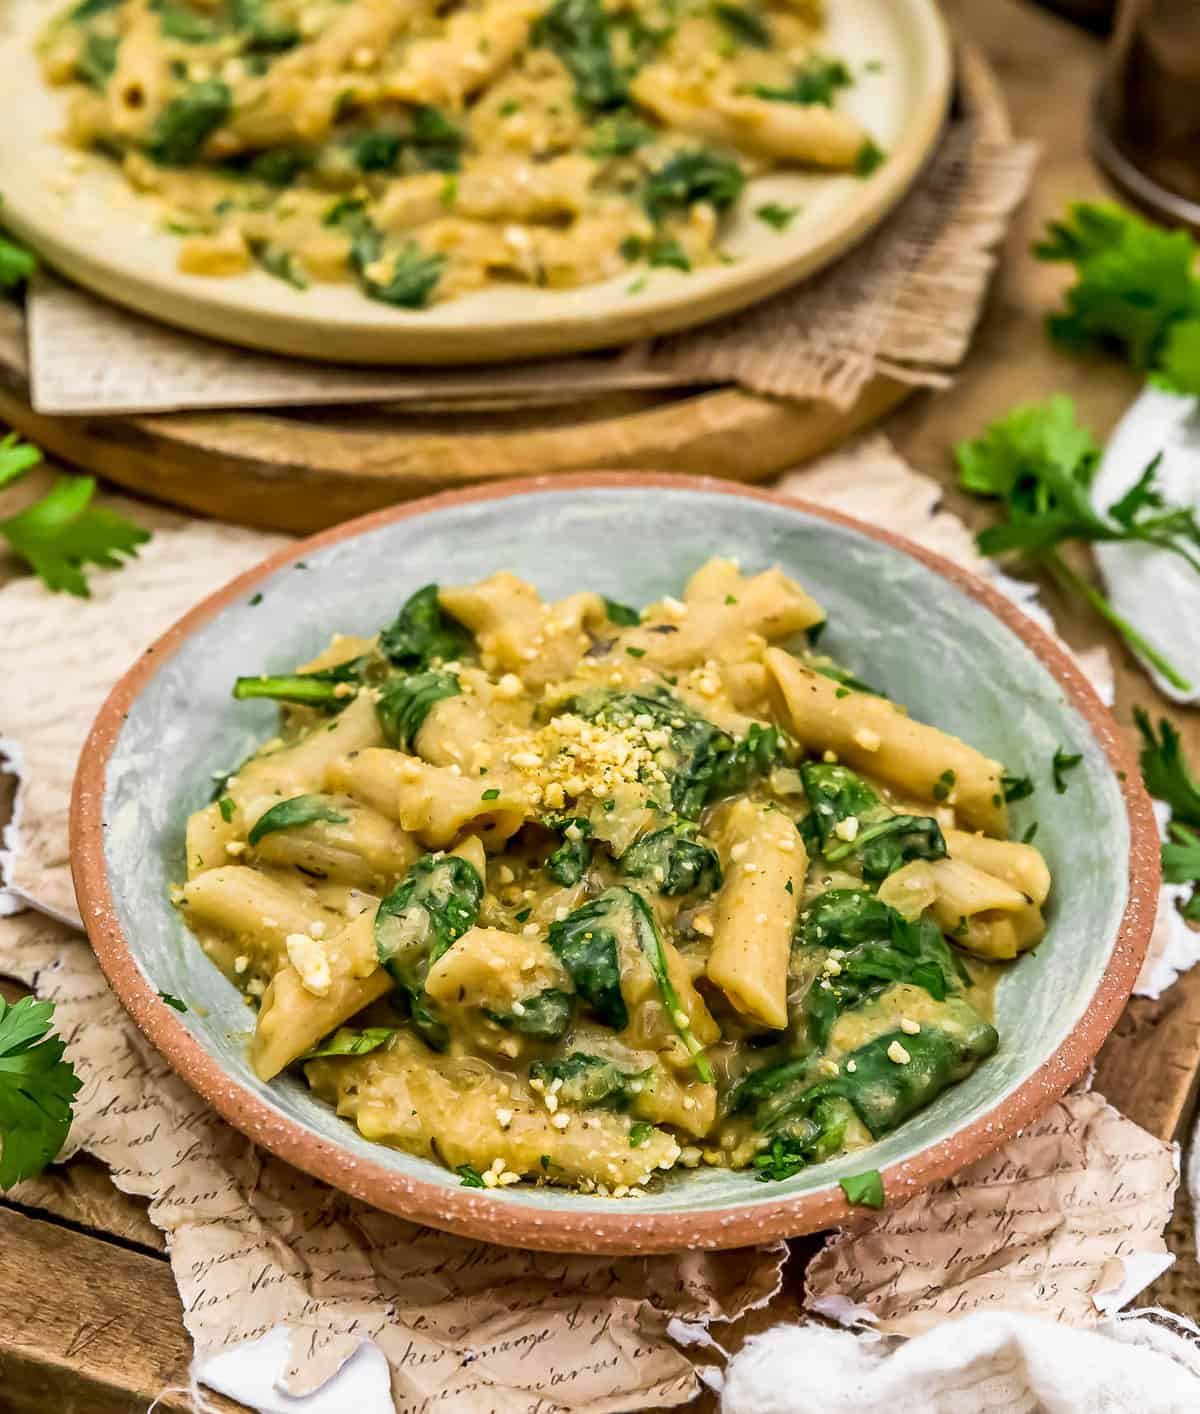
{"x":574,"y":892}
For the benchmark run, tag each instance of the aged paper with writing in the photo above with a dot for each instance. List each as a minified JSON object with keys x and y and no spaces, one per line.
{"x":1053,"y":1224}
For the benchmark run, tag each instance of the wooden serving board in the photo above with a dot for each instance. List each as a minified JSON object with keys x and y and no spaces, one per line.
{"x":309,"y":469}
{"x":90,"y":1320}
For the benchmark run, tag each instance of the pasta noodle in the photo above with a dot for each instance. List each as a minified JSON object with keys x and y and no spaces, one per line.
{"x":424,"y":150}
{"x":573,"y":893}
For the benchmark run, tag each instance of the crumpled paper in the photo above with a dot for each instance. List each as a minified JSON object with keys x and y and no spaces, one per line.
{"x":986,"y":1363}
{"x":462,"y":1325}
{"x":1066,"y":1220}
{"x":255,"y":1245}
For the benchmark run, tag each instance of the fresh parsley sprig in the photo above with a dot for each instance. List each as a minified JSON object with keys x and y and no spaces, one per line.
{"x":1135,"y":292}
{"x":1167,"y":777}
{"x":16,"y":262}
{"x":37,"y":1088}
{"x":61,"y":533}
{"x":1040,"y":463}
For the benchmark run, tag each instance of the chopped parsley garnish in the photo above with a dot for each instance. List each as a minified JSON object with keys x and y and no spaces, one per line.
{"x":943,"y":785}
{"x":1063,"y":762}
{"x":639,"y":1133}
{"x":778,"y":217}
{"x":226,"y":807}
{"x":869,"y":159}
{"x":492,"y":794}
{"x":471,"y":1177}
{"x":636,"y":652}
{"x":864,"y":1190}
{"x":523,"y":915}
{"x":1016,"y":787}
{"x":172,"y":1001}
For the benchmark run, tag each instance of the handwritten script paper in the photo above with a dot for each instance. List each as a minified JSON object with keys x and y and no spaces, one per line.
{"x":1058,"y":1223}
{"x":255,"y":1244}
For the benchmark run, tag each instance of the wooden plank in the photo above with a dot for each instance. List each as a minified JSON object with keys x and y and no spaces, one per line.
{"x":87,"y":1327}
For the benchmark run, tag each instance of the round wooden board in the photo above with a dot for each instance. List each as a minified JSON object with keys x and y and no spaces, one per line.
{"x":309,"y":469}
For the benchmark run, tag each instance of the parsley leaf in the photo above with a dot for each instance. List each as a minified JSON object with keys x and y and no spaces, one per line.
{"x":1135,"y":291}
{"x":471,"y":1177}
{"x":779,"y":218}
{"x":16,"y":458}
{"x":1040,"y":463}
{"x":1167,"y":778}
{"x":865,"y":1190}
{"x":37,"y":1088}
{"x":1164,"y":769}
{"x":1063,"y":762}
{"x":16,"y":263}
{"x":62,"y":532}
{"x":172,"y":1001}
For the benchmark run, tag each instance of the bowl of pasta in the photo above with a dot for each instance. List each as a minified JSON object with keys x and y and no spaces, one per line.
{"x":365,"y":181}
{"x":629,"y":864}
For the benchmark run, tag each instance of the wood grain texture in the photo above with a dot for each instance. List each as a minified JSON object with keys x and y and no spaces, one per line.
{"x":86,"y":1327}
{"x":306,"y":472}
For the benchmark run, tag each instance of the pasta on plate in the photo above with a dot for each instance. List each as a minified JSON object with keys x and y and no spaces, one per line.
{"x":576,"y":894}
{"x":422,"y":151}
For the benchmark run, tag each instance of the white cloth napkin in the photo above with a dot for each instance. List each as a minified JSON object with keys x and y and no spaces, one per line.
{"x":984,"y":1364}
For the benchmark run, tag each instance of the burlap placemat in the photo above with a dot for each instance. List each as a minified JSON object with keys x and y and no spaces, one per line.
{"x":903,"y":303}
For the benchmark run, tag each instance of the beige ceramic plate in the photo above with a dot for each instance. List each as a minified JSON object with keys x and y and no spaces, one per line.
{"x":81,"y":217}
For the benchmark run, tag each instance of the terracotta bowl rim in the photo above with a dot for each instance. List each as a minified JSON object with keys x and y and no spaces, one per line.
{"x":472,"y":1214}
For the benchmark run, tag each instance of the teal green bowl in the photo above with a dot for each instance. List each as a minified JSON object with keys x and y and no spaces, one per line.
{"x":951,"y":648}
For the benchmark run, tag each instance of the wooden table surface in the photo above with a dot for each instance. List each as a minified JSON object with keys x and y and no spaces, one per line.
{"x":90,"y":1319}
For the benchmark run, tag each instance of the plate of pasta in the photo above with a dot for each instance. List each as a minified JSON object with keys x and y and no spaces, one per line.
{"x":682,"y":859}
{"x":368,"y":181}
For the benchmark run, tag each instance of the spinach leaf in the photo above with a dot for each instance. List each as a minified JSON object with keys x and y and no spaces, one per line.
{"x":377,"y":151}
{"x":185,"y":124}
{"x":423,"y":633}
{"x":673,"y":861}
{"x":888,"y":844}
{"x":882,"y":1092}
{"x":263,"y":34}
{"x":347,"y":1041}
{"x":423,"y":916}
{"x":89,"y":9}
{"x":590,"y":1082}
{"x":434,"y":141}
{"x":590,"y":942}
{"x":817,"y":1136}
{"x":182,"y":23}
{"x":743,"y":25}
{"x":544,"y":1016}
{"x":319,"y":689}
{"x":846,"y":678}
{"x":694,"y":746}
{"x":836,"y":793}
{"x":293,"y":814}
{"x":818,"y":82}
{"x":692,"y":175}
{"x":98,"y":60}
{"x":754,"y":756}
{"x":586,"y":944}
{"x":577,"y":31}
{"x":877,"y":948}
{"x":618,"y":136}
{"x":404,"y":703}
{"x":570,"y":861}
{"x":412,"y":275}
{"x":621,"y":614}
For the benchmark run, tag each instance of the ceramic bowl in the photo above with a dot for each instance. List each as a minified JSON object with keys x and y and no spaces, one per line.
{"x":74,"y":210}
{"x":951,"y":648}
